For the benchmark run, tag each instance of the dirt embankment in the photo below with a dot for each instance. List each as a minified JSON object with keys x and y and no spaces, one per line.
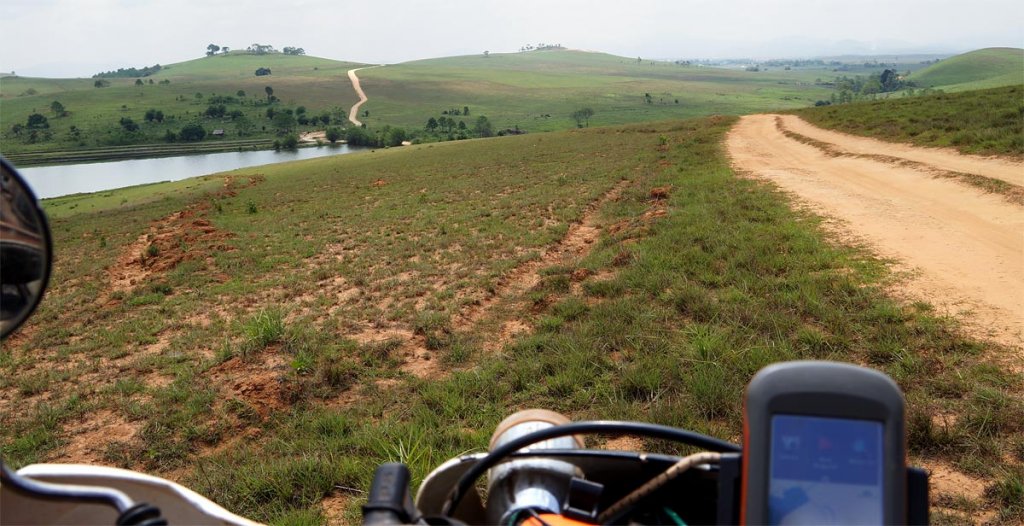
{"x":963,"y":246}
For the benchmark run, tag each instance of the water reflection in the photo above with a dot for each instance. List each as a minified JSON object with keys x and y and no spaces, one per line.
{"x":55,"y":181}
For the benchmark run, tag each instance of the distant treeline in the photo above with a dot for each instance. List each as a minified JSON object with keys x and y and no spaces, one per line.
{"x":129,"y":72}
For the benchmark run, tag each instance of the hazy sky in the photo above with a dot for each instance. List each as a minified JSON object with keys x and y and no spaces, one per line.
{"x":82,"y":37}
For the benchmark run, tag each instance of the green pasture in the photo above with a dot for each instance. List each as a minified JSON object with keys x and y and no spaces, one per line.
{"x":538,"y":91}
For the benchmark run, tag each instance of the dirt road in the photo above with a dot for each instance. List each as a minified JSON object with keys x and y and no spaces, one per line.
{"x":353,"y":114}
{"x":965,"y":248}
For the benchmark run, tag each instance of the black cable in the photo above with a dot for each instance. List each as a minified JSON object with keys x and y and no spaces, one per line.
{"x":582,"y":428}
{"x":141,"y":514}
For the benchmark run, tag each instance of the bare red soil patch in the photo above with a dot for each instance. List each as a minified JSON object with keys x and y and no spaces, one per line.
{"x":89,"y":437}
{"x":259,"y":382}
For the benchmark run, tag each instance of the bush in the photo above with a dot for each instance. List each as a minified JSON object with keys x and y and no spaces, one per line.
{"x":334,"y":135}
{"x":37,"y":120}
{"x":359,"y":137}
{"x":192,"y":132}
{"x":290,"y":142}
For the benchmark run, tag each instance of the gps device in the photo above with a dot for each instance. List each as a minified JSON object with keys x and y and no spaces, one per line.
{"x":823,"y":444}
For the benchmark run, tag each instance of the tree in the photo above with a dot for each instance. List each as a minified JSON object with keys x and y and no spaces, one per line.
{"x":138,"y":82}
{"x":212,"y":49}
{"x":270,"y":93}
{"x":224,"y":50}
{"x":431,"y":124}
{"x":462,"y":125}
{"x":283,"y":122}
{"x":487,"y":54}
{"x":240,"y":93}
{"x":192,"y":132}
{"x":37,"y":121}
{"x":262,"y":72}
{"x":293,"y":51}
{"x":58,"y":109}
{"x":101,"y":83}
{"x":582,"y":116}
{"x":465,"y":110}
{"x":215,"y":110}
{"x":482,"y":127}
{"x":243,"y":125}
{"x":333,"y":135}
{"x":290,"y":142}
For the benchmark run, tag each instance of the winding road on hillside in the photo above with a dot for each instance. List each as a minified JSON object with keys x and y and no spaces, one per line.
{"x":353,"y":114}
{"x":964,"y":247}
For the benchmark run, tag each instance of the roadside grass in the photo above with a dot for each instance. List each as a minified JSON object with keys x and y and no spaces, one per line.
{"x":987,"y":121}
{"x":673,"y":315}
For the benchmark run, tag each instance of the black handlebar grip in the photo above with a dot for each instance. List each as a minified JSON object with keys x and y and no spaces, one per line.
{"x":389,"y":502}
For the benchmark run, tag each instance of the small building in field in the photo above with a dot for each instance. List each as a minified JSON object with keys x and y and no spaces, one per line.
{"x":218,"y":133}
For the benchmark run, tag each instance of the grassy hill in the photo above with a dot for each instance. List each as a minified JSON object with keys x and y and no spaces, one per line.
{"x":983,"y":68}
{"x":277,"y":332}
{"x":181,"y":91}
{"x":538,"y":91}
{"x":985,"y":121}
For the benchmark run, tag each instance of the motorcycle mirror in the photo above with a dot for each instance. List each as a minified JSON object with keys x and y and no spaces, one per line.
{"x":26,"y":250}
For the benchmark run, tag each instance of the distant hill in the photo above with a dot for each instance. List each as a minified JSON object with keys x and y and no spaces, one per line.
{"x":541,"y":90}
{"x":984,"y":68}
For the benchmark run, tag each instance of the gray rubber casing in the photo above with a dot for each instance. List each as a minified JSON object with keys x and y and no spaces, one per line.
{"x":824,"y":389}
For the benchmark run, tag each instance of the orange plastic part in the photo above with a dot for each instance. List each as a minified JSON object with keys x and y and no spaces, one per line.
{"x":554,"y":520}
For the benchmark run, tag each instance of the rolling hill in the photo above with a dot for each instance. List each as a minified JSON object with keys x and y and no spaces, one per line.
{"x":539,"y":91}
{"x":182,"y":91}
{"x":536,"y":91}
{"x":983,"y":68}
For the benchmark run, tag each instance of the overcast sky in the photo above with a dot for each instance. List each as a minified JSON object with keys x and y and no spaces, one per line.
{"x":60,"y":38}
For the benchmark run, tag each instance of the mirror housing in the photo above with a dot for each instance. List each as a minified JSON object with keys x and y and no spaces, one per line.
{"x":26,"y":250}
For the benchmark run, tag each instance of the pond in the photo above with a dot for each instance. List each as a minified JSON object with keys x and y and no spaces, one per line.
{"x":55,"y":181}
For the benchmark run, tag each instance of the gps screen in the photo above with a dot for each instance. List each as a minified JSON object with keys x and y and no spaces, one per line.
{"x":825,"y":471}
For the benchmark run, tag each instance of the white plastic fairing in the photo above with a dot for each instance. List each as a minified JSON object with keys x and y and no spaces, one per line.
{"x":178,"y":504}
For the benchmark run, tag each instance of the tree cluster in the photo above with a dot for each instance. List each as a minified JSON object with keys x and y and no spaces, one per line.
{"x":849,"y":89}
{"x":293,"y":51}
{"x":129,"y":72}
{"x":540,"y":47}
{"x":260,"y":49}
{"x":447,"y":125}
{"x":261,"y":72}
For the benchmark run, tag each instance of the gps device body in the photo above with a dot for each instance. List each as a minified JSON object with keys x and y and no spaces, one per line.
{"x":823,"y":444}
